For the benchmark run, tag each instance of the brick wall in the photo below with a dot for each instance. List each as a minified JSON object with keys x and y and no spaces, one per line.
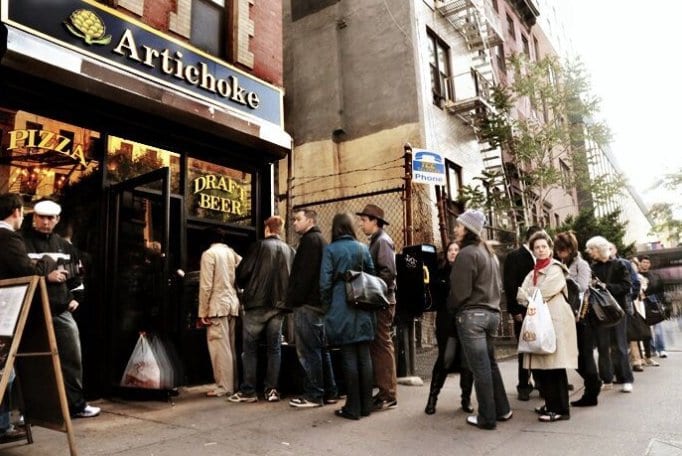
{"x":266,"y":44}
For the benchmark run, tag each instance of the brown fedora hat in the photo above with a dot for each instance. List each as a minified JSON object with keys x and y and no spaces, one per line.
{"x":372,"y":210}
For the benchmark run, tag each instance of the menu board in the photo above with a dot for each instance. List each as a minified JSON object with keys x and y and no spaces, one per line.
{"x":11,"y":300}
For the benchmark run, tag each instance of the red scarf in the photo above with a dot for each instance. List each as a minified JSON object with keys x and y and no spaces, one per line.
{"x":540,"y":264}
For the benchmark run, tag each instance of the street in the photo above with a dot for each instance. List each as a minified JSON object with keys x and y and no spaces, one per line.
{"x":645,"y":422}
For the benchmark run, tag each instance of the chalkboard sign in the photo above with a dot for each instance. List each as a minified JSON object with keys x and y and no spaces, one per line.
{"x":28,"y":344}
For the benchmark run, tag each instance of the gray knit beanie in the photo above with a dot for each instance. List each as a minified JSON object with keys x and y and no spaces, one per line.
{"x":472,"y":220}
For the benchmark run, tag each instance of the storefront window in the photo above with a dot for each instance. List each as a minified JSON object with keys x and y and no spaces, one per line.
{"x":127,"y":159}
{"x":218,"y":193}
{"x":41,"y":157}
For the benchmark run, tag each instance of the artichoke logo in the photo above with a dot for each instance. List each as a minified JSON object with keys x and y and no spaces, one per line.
{"x":87,"y":25}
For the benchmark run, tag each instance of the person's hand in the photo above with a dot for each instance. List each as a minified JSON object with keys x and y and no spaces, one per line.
{"x":73,"y":305}
{"x":57,"y":276}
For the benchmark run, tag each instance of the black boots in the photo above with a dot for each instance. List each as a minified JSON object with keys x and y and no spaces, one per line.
{"x":524,"y":392}
{"x":431,"y":404}
{"x":592,"y":389}
{"x":466,"y":405}
{"x":585,"y":401}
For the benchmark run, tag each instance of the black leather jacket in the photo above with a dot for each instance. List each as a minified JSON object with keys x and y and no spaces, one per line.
{"x":264,"y":274}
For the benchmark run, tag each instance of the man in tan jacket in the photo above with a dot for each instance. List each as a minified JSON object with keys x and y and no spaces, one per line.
{"x":219,"y":308}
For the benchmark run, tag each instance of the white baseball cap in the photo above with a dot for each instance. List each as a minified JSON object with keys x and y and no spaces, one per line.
{"x":47,"y":208}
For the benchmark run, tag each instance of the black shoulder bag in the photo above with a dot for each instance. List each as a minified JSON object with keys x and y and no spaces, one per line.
{"x":365,"y":291}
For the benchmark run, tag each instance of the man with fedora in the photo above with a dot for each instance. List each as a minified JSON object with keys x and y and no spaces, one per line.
{"x":42,"y":241}
{"x":382,"y":250}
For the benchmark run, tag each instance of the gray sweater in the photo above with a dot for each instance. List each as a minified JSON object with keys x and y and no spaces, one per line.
{"x":474,"y":280}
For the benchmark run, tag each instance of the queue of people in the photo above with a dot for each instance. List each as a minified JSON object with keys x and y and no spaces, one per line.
{"x":274,"y":280}
{"x":470,"y":319}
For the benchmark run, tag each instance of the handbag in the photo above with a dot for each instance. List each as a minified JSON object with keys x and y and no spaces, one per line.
{"x":604,"y":309}
{"x":654,"y":311}
{"x":537,"y":330}
{"x":637,"y":328}
{"x":365,"y":291}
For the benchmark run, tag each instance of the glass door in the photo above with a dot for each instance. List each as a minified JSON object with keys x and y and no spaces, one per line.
{"x":142,"y":247}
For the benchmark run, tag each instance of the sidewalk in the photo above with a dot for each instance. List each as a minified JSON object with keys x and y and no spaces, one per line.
{"x":645,"y":422}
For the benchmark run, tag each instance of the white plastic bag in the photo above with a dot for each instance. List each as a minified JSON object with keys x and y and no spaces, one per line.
{"x":537,"y":331}
{"x":142,"y":370}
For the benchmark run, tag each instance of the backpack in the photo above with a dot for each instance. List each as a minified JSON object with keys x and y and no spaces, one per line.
{"x":573,"y":294}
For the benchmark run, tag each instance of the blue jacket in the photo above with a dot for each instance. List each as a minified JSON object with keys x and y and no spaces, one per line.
{"x":343,"y":324}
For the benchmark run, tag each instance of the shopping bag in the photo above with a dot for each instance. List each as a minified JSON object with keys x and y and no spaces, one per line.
{"x":142,"y":370}
{"x":537,"y":330}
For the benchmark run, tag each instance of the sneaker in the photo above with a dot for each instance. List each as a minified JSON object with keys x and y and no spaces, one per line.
{"x":662,"y":354}
{"x":626,"y":388}
{"x":272,"y":395}
{"x":301,"y":402}
{"x":88,"y":412}
{"x":241,"y":397}
{"x":651,"y":362}
{"x":606,"y":386}
{"x":382,"y":404}
{"x":506,"y":417}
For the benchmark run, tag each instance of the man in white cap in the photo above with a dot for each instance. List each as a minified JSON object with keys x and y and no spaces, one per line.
{"x":43,"y":240}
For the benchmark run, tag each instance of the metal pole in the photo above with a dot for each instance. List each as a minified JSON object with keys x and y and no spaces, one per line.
{"x":408,"y":194}
{"x":442,"y":223}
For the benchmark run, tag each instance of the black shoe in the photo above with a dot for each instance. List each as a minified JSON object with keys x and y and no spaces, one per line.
{"x":585,"y":402}
{"x":431,"y":404}
{"x":343,"y":413}
{"x":542,"y":410}
{"x":466,"y":406}
{"x":524,"y":393}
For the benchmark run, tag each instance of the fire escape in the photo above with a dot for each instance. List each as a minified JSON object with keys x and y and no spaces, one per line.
{"x":480,"y":27}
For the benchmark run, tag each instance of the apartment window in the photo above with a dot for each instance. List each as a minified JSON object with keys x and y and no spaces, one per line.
{"x":536,"y":48}
{"x":495,"y":6}
{"x":511,"y":30}
{"x":454,"y":179}
{"x":500,"y":58}
{"x":526,"y":46}
{"x":557,"y":220}
{"x":565,"y":172}
{"x":439,"y":62}
{"x":208,"y":26}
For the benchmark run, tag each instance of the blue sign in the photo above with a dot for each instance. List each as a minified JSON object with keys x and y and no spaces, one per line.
{"x":108,"y":35}
{"x":428,"y":167}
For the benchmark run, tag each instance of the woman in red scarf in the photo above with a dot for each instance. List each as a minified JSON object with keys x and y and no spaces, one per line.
{"x":548,"y":276}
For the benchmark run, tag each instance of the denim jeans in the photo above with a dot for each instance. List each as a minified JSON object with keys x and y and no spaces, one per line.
{"x":358,"y":374}
{"x":476,"y":329}
{"x":255,"y":322}
{"x":69,"y":346}
{"x":658,"y":341}
{"x":612,"y":345}
{"x":4,"y":406}
{"x":313,"y":355}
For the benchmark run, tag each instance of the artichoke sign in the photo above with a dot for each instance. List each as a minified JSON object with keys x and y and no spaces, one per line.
{"x":87,"y":25}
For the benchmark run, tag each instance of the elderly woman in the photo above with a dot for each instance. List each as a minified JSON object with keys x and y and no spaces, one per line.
{"x":548,"y":276}
{"x":612,"y":342}
{"x":349,"y":328}
{"x":566,"y":250}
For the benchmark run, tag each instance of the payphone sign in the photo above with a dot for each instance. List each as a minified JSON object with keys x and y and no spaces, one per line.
{"x":428,"y":167}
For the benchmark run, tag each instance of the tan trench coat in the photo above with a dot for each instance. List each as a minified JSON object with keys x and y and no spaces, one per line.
{"x":552,"y":284}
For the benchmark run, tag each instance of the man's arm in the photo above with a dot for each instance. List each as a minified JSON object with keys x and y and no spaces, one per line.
{"x":385,"y":264}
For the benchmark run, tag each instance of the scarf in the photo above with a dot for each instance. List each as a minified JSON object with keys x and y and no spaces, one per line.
{"x":539,"y":264}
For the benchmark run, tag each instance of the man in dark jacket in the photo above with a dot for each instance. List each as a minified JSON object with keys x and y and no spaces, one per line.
{"x":383,"y":354}
{"x":14,"y":262}
{"x":41,"y":242}
{"x":304,"y":298}
{"x":517,"y":265}
{"x":264,"y":276}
